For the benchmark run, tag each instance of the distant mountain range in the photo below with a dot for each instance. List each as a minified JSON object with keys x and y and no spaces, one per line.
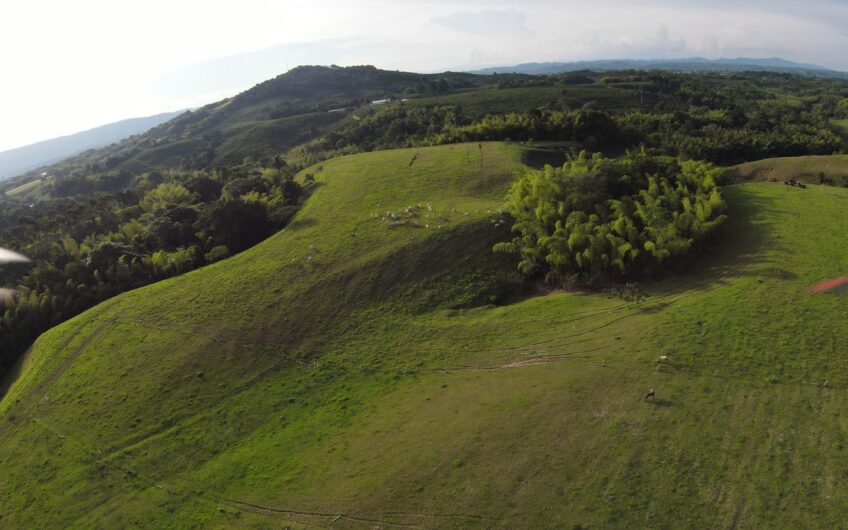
{"x":22,"y":159}
{"x":693,"y":64}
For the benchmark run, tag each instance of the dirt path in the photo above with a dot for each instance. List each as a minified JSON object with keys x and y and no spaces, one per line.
{"x":92,"y":443}
{"x":520,"y":363}
{"x":331,"y":517}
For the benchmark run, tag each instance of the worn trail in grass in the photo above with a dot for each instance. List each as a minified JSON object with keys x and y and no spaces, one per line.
{"x":358,"y":371}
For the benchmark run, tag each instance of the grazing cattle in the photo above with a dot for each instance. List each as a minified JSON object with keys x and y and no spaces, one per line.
{"x":796,"y":183}
{"x":662,"y":359}
{"x":649,"y":394}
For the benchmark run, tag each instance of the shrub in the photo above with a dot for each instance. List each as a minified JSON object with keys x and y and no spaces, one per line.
{"x":164,"y":194}
{"x":217,"y":253}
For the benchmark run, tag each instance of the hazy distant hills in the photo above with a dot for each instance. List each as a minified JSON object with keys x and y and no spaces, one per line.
{"x":22,"y":159}
{"x":271,"y":117}
{"x":694,"y":64}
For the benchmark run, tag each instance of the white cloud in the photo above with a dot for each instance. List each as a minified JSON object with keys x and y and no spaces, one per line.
{"x":489,"y":22}
{"x":616,"y":45}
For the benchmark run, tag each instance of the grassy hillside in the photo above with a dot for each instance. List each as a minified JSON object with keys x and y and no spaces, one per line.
{"x":354,"y":371}
{"x":24,"y":188}
{"x":832,"y":170}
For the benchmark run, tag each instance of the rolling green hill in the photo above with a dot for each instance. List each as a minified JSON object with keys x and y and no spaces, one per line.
{"x":826,"y":169}
{"x":375,"y":364}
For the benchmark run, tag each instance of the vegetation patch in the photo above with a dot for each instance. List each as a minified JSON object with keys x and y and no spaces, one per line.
{"x":24,"y":188}
{"x":597,"y":218}
{"x":842,"y":128}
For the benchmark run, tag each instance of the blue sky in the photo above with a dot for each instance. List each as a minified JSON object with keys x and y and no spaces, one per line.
{"x":68,"y":66}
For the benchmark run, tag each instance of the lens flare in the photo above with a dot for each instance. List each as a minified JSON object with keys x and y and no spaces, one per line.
{"x":7,"y":256}
{"x":834,"y":285}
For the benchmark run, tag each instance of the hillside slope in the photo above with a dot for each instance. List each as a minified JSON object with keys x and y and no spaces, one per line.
{"x":16,"y":161}
{"x":352,"y":371}
{"x":826,"y":169}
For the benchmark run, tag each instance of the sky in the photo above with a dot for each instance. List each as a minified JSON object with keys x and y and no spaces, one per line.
{"x":69,"y":66}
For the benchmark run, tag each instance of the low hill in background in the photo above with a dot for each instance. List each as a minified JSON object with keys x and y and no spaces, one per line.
{"x":270,"y":118}
{"x":696,"y":64}
{"x":22,"y":159}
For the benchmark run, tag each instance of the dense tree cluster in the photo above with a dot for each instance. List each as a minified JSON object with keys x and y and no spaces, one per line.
{"x":86,"y":250}
{"x":597,"y":218}
{"x":720,"y":118}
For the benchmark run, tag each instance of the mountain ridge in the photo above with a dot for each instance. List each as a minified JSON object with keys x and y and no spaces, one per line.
{"x":19,"y":160}
{"x":770,"y":64}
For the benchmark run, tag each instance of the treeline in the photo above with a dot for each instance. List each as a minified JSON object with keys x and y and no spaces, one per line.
{"x":725,"y":136}
{"x":402,"y":126}
{"x":87,"y":250}
{"x":696,"y":133}
{"x":722,"y":118}
{"x":597,"y":218}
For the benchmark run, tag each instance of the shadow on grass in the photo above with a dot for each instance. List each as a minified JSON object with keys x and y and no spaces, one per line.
{"x":652,"y":308}
{"x":660,"y":402}
{"x":737,"y":250}
{"x":555,"y":155}
{"x":776,"y":273}
{"x":456,"y":268}
{"x":11,"y":375}
{"x":300,"y":224}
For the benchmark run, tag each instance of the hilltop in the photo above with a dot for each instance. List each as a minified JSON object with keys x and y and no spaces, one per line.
{"x":355,"y":370}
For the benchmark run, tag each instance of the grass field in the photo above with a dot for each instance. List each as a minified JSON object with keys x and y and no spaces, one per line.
{"x":24,"y":188}
{"x":356,"y":374}
{"x":832,"y":169}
